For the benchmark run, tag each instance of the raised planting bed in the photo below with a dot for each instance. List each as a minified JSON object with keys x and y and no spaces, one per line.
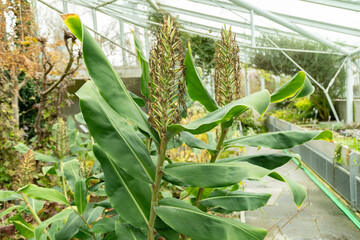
{"x":344,"y":178}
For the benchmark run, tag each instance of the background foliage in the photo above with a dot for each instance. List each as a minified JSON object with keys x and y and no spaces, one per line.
{"x":313,"y":63}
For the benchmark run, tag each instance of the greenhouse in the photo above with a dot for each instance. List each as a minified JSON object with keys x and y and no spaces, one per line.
{"x":192,"y":119}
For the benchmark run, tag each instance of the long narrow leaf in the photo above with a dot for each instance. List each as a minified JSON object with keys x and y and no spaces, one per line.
{"x":297,"y":87}
{"x":268,"y":160}
{"x":281,"y":140}
{"x":115,"y":136}
{"x":194,"y":142}
{"x":130,"y":197}
{"x":110,"y":86}
{"x":258,"y":101}
{"x":235,"y":201}
{"x":9,"y":195}
{"x":128,"y":232}
{"x":80,"y":195}
{"x":19,"y":209}
{"x":22,"y":148}
{"x":25,"y":228}
{"x":59,"y":216}
{"x":103,"y":225}
{"x":145,"y":71}
{"x":44,"y":193}
{"x":208,"y":175}
{"x":75,"y":223}
{"x":195,"y":88}
{"x":71,"y":172}
{"x":198,"y":225}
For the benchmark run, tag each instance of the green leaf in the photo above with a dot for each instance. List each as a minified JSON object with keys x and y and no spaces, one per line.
{"x":128,"y":232}
{"x":103,"y":225}
{"x":139,"y":101}
{"x":37,"y":205}
{"x":25,"y":228}
{"x":43,"y":193}
{"x":267,"y":160}
{"x":198,"y":225}
{"x":194,"y":142}
{"x":258,"y":101}
{"x":235,"y":201}
{"x":49,"y":170}
{"x":145,"y":70}
{"x":9,"y":195}
{"x":19,"y":208}
{"x":57,"y":217}
{"x":281,"y":140}
{"x":22,"y":148}
{"x":80,"y":195}
{"x":297,"y":87}
{"x":208,"y":175}
{"x":74,"y":223}
{"x":71,"y":172}
{"x":110,"y":86}
{"x":307,"y":90}
{"x":165,"y":231}
{"x":115,"y":135}
{"x":130,"y":197}
{"x":195,"y":88}
{"x":110,"y":236}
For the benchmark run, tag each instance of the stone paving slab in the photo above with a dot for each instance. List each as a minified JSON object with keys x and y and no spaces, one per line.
{"x":321,"y":219}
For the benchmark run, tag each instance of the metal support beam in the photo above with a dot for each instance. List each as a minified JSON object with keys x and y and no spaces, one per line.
{"x":262,"y":82}
{"x":232,"y":22}
{"x":105,"y":3}
{"x":65,"y":7}
{"x":353,"y":6}
{"x":122,"y":42}
{"x":252,"y":28}
{"x":153,"y":4}
{"x":92,"y":30}
{"x":290,"y":18}
{"x":210,"y":29}
{"x":289,"y":25}
{"x":331,"y":106}
{"x":355,"y":51}
{"x":93,"y":13}
{"x":349,"y":92}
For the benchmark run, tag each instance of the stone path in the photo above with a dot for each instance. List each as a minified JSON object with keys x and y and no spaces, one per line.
{"x":320,"y":218}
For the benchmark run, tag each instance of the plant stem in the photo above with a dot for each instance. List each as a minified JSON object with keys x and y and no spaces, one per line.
{"x":219,"y":145}
{"x":32,"y":211}
{"x":84,"y":220}
{"x":213,"y":159}
{"x":156,"y":188}
{"x":63,"y":178}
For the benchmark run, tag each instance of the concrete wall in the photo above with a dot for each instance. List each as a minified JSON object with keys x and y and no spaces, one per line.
{"x":318,"y":155}
{"x":340,"y":106}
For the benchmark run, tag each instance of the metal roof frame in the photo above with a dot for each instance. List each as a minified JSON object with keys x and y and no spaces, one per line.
{"x":139,"y":17}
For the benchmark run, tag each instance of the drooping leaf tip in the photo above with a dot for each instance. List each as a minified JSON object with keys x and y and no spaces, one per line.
{"x":66,"y":16}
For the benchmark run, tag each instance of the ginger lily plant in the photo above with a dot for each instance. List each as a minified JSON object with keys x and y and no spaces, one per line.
{"x":134,"y":172}
{"x":133,"y":180}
